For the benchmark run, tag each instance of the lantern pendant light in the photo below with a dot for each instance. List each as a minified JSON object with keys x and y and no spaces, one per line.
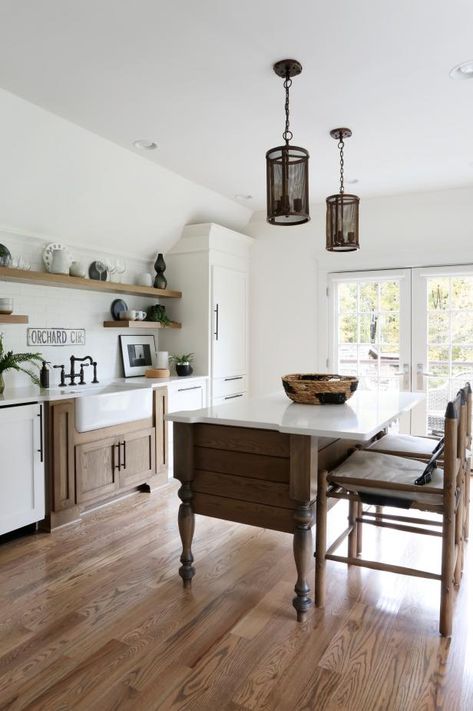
{"x":342,"y":209}
{"x":287,"y":167}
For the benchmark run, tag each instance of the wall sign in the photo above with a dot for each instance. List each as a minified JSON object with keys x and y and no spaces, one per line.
{"x":55,"y":337}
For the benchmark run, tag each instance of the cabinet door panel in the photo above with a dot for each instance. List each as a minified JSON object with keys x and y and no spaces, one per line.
{"x":61,"y":425}
{"x":229,"y":304}
{"x":97,"y":470}
{"x":21,"y":467}
{"x":138,"y":457}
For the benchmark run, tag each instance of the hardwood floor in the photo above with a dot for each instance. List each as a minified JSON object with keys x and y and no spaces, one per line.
{"x":94,"y":617}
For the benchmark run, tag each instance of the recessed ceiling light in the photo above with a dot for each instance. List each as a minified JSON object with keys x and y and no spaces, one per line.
{"x":462,"y":71}
{"x":144,"y":144}
{"x":240,"y":196}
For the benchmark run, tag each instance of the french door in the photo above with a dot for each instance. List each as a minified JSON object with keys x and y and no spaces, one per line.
{"x":405,"y":329}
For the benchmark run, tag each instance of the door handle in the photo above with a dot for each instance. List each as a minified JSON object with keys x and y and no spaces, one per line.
{"x":402,"y":371}
{"x":236,"y":377}
{"x":216,"y":322}
{"x":421,"y":374}
{"x":124,"y":454}
{"x":41,"y":447}
{"x":421,"y":371}
{"x":232,"y":397}
{"x":118,"y":458}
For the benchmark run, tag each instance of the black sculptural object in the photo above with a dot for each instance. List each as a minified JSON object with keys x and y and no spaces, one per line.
{"x":160,"y":281}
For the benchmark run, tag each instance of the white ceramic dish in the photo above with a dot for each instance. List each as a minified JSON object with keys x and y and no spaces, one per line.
{"x":48,"y":254}
{"x":6,"y":305}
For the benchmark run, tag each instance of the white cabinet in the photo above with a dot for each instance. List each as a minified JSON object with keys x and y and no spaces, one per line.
{"x":21,"y":466}
{"x":230,"y":308}
{"x":185,"y":394}
{"x":210,"y":265}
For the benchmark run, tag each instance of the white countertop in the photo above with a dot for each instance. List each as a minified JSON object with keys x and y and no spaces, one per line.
{"x":32,"y":393}
{"x":365,"y":414}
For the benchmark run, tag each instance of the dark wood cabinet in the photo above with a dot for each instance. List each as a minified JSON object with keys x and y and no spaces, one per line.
{"x":87,"y":468}
{"x":97,"y":474}
{"x":138,"y":457}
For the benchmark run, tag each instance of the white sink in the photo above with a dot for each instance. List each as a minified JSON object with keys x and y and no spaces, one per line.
{"x":113,"y":404}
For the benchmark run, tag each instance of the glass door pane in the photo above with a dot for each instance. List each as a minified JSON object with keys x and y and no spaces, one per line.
{"x":371,"y":333}
{"x":443,"y":343}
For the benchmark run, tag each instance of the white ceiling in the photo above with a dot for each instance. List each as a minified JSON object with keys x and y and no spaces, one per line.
{"x":197,"y":78}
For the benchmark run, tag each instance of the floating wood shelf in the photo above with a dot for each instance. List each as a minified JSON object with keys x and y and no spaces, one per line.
{"x":70,"y":282}
{"x":140,"y":324}
{"x":13,"y":318}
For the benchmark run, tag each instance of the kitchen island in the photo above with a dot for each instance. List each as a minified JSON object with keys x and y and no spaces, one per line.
{"x":255,"y":462}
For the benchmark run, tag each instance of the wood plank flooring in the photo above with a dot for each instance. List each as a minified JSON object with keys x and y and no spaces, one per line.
{"x":94,"y":617}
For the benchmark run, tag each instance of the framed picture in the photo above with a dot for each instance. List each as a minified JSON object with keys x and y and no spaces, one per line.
{"x":137,"y":354}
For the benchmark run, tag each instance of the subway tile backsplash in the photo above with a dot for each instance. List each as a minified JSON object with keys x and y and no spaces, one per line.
{"x":51,"y":307}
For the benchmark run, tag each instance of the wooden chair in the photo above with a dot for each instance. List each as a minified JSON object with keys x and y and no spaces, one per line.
{"x":423,"y":447}
{"x":379,"y":479}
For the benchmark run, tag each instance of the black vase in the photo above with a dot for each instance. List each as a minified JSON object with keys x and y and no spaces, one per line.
{"x":184,"y":369}
{"x":160,"y":281}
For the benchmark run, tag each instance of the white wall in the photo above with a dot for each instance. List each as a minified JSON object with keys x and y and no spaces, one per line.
{"x":290,"y":266}
{"x":66,"y":183}
{"x":51,"y":307}
{"x":61,"y":183}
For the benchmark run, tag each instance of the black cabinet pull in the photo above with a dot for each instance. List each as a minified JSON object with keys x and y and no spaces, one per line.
{"x":232,"y":397}
{"x":236,"y":377}
{"x":40,"y":450}
{"x":216,"y":322}
{"x":119,"y":465}
{"x":124,"y":454}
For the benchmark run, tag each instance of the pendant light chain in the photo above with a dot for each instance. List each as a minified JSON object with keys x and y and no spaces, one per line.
{"x":341,"y":146}
{"x":287,"y":134}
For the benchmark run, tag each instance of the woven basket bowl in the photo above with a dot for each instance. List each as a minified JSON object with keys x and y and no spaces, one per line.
{"x":319,"y":388}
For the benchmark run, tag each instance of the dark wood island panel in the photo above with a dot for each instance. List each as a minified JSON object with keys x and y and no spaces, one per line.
{"x":253,"y":476}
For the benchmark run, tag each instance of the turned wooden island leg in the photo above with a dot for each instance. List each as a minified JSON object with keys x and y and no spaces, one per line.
{"x":186,"y":522}
{"x":303,"y":559}
{"x":184,"y":472}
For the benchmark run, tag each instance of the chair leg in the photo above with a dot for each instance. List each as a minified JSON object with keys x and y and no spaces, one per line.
{"x":458,"y":543}
{"x":352,"y":537}
{"x":359,"y":530}
{"x":320,"y":539}
{"x":448,"y":558}
{"x":466,"y":509}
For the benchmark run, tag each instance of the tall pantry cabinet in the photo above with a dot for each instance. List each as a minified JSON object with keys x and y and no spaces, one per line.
{"x":210,"y":264}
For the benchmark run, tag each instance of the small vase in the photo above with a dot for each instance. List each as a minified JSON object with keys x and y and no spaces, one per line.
{"x":2,"y":383}
{"x":183,"y":369}
{"x":160,"y":281}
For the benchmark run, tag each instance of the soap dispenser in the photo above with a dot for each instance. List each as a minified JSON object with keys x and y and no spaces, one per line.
{"x":44,"y":374}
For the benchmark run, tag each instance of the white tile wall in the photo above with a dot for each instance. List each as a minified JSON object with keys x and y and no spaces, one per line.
{"x":67,"y":308}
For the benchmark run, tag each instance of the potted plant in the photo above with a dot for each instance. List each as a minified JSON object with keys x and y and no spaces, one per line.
{"x":15,"y":361}
{"x":182,"y":363}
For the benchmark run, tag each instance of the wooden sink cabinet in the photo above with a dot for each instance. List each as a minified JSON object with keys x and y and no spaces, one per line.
{"x":85,"y":469}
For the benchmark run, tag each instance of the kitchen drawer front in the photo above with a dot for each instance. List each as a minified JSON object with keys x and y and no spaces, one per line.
{"x":229,"y":386}
{"x":187,"y":396}
{"x":229,"y":398}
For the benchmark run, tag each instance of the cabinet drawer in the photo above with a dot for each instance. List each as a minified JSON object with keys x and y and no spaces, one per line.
{"x":229,"y":398}
{"x":188,"y":396}
{"x":229,"y":386}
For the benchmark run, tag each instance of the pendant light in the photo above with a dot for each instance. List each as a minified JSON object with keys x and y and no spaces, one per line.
{"x":342,"y":209}
{"x":287,"y":167}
